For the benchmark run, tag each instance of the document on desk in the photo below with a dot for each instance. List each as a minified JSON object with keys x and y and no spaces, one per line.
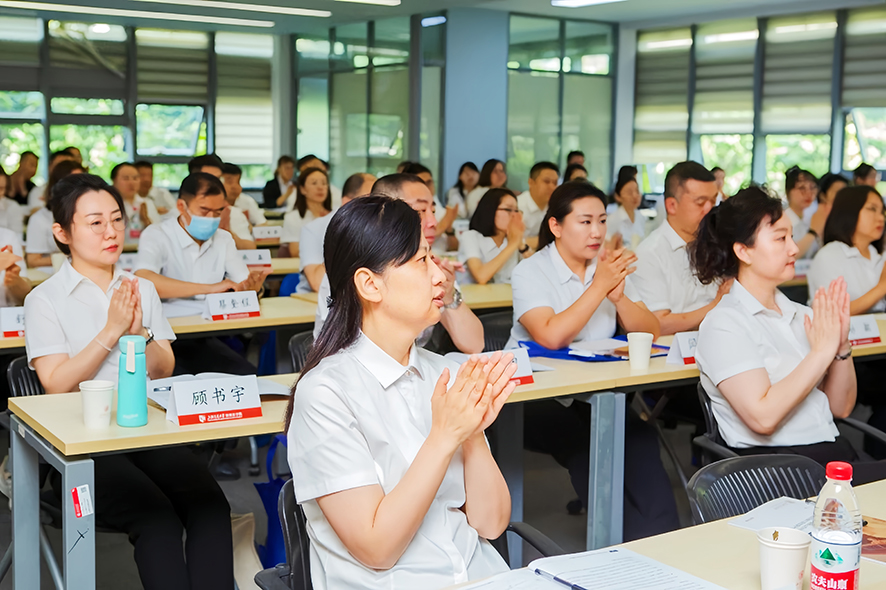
{"x":603,"y":569}
{"x":782,"y":512}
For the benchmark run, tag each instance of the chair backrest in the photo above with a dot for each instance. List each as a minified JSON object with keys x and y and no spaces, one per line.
{"x":496,"y":329}
{"x":299,"y":345}
{"x":295,"y":537}
{"x":22,"y":380}
{"x":734,"y":486}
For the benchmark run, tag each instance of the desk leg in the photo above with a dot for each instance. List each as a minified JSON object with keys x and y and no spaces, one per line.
{"x":25,"y":514}
{"x":78,"y":533}
{"x":606,"y":485}
{"x":508,"y":445}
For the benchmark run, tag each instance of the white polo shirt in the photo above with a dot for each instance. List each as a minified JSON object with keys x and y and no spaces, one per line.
{"x":359,"y":419}
{"x":67,"y":311}
{"x":167,"y":249}
{"x":837,"y":259}
{"x":251,"y":208}
{"x":240,"y":224}
{"x":473,"y":244}
{"x":12,"y":216}
{"x":161,"y":198}
{"x":8,"y":238}
{"x":292,"y":224}
{"x":532,"y":214}
{"x":40,"y":240}
{"x":800,"y":229}
{"x":134,"y":225}
{"x":310,"y":248}
{"x":664,"y":278}
{"x":740,"y":335}
{"x":631,"y":231}
{"x":454,"y":198}
{"x":37,"y":197}
{"x":544,"y":280}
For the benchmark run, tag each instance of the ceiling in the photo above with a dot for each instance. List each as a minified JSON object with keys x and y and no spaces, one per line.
{"x":640,"y":13}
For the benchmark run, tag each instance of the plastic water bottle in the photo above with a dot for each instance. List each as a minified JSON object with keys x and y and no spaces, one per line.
{"x":836,"y":534}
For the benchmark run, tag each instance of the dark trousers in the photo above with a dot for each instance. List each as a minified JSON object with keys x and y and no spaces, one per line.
{"x":564,"y":433}
{"x":154,"y":496}
{"x":839,"y":450}
{"x":869,"y":375}
{"x":208,"y":355}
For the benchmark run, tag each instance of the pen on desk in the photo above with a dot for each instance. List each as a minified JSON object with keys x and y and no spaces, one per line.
{"x":167,"y":388}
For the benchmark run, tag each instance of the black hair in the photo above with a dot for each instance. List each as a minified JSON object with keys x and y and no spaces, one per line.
{"x":574,"y":153}
{"x":116,"y":169}
{"x":353,"y":184}
{"x":486,"y":172}
{"x":403,"y":166}
{"x":828,"y":180}
{"x":59,"y":154}
{"x":197,"y":164}
{"x":232,"y":169}
{"x":304,"y":161}
{"x":483,"y":219}
{"x":392,"y":184}
{"x":622,"y":183}
{"x":374,"y":233}
{"x":290,"y":160}
{"x":416,"y":168}
{"x":68,"y":191}
{"x":734,"y":221}
{"x":144,"y":164}
{"x":794,"y":175}
{"x":458,"y":183}
{"x":301,"y":201}
{"x":560,"y":206}
{"x":200,"y":183}
{"x":680,"y":173}
{"x":62,"y":169}
{"x":540,"y":166}
{"x":716,"y":169}
{"x":570,"y":170}
{"x":862,"y":172}
{"x":28,"y":153}
{"x":843,"y":218}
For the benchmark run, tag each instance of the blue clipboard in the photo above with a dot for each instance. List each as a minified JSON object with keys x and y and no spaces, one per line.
{"x":537,"y":350}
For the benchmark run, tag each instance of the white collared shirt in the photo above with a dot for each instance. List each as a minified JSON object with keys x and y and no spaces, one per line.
{"x":544,"y":280}
{"x":533,"y":215}
{"x":240,"y":224}
{"x":40,"y":239}
{"x":359,"y":419}
{"x":12,"y":216}
{"x":134,"y":225}
{"x":293,"y":222}
{"x":800,"y":229}
{"x":67,"y":311}
{"x":310,"y":248}
{"x":664,"y":278}
{"x":741,"y":335}
{"x":37,"y":197}
{"x":837,"y":259}
{"x":454,"y":198}
{"x":161,"y":198}
{"x":251,"y":208}
{"x":166,"y":248}
{"x":9,"y":238}
{"x":473,"y":244}
{"x":631,"y":231}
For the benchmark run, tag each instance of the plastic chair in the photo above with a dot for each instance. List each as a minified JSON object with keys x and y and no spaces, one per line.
{"x":299,"y":345}
{"x":496,"y":329}
{"x":734,"y":486}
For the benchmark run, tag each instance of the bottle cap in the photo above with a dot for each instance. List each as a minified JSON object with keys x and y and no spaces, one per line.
{"x":839,"y":470}
{"x":138,"y":341}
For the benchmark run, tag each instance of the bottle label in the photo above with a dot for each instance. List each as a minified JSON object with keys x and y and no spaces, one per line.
{"x":834,"y":565}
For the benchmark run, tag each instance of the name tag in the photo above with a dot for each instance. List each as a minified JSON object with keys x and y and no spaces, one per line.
{"x":232,"y":306}
{"x":127,"y":262}
{"x":522,"y":376}
{"x":801,"y":267}
{"x":12,"y":321}
{"x":256,"y":259}
{"x":863,"y":329}
{"x":214,"y":400}
{"x":682,"y":350}
{"x":267,"y":232}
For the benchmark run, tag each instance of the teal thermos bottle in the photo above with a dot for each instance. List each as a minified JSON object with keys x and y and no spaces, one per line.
{"x":132,"y":383}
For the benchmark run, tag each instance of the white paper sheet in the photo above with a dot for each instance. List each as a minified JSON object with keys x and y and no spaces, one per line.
{"x":180,"y":308}
{"x":592,"y":347}
{"x":783,"y":512}
{"x":522,"y":579}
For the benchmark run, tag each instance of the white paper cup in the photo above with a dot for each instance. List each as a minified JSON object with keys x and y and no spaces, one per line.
{"x":784,"y":553}
{"x":639,"y":350}
{"x":97,"y":398}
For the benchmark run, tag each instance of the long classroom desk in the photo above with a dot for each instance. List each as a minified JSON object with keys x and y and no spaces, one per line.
{"x":477,"y":297}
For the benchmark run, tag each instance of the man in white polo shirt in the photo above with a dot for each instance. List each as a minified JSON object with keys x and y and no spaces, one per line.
{"x":664,"y":278}
{"x":533,"y":203}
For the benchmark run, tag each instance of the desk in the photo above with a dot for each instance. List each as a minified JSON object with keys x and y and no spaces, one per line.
{"x":268,"y":243}
{"x":475,"y":296}
{"x":284,"y":266}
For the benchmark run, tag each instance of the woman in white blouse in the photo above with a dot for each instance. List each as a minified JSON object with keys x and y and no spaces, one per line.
{"x":801,"y":188}
{"x":386,"y":442}
{"x":74,"y":321}
{"x":494,"y":174}
{"x":626,"y":220}
{"x":494,"y":244}
{"x":313,"y":202}
{"x":776,"y":371}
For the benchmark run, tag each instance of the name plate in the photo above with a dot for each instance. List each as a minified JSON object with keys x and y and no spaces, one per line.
{"x":214,"y":400}
{"x":522,"y":376}
{"x":12,"y":321}
{"x":682,"y":350}
{"x":127,"y":262}
{"x":267,"y":232}
{"x":801,"y":267}
{"x":232,"y":306}
{"x":256,"y":259}
{"x":863,"y":329}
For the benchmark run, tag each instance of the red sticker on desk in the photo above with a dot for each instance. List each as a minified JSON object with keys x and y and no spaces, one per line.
{"x":208,"y":418}
{"x":236,"y":316}
{"x":82,"y":501}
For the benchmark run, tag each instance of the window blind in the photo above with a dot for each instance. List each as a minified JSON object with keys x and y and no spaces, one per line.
{"x":20,"y":53}
{"x":864,"y":62}
{"x":173,"y":66}
{"x":87,"y":60}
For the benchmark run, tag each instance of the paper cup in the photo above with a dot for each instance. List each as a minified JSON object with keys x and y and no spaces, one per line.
{"x":639,"y":350}
{"x":784,"y":553}
{"x":97,"y":398}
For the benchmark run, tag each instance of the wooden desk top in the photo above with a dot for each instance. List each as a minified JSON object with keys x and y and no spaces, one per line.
{"x":275,"y":311}
{"x":475,"y":296}
{"x":284,"y":266}
{"x":268,"y":243}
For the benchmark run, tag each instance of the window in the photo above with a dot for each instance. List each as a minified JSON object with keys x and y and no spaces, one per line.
{"x":587,"y":124}
{"x":588,"y":48}
{"x":391,"y":42}
{"x":86,"y":106}
{"x":351,"y":47}
{"x":173,"y":66}
{"x":313,"y":115}
{"x":20,"y":40}
{"x":97,"y":52}
{"x":170,"y":176}
{"x":810,"y":152}
{"x":732,"y":153}
{"x":22,"y":105}
{"x":533,"y":123}
{"x":534,"y":44}
{"x":865,"y":138}
{"x":389,"y":119}
{"x":166,"y":130}
{"x":864,"y":83}
{"x":19,"y":138}
{"x":103,"y":146}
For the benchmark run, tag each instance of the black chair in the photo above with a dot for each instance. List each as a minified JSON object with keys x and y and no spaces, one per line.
{"x":496,"y":329}
{"x":296,"y":573}
{"x":734,"y":486}
{"x":299,"y":345}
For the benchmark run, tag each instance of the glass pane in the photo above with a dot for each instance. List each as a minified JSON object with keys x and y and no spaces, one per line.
{"x":87,"y":45}
{"x":350,"y":49}
{"x":86,"y":106}
{"x":313,"y":53}
{"x":867,"y":127}
{"x":347,"y":125}
{"x":391,"y":44}
{"x":389,"y":120}
{"x":255,"y":176}
{"x":732,"y":153}
{"x":588,"y":48}
{"x":810,"y":152}
{"x":433,"y":38}
{"x":20,"y":40}
{"x":430,"y":140}
{"x":103,"y":147}
{"x":22,"y":105}
{"x":587,"y":125}
{"x":16,"y":139}
{"x":313,"y":116}
{"x":167,"y":130}
{"x":534,"y":44}
{"x":533,"y":124}
{"x":170,"y":176}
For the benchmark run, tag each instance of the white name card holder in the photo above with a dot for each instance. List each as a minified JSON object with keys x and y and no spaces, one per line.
{"x":127,"y":262}
{"x":232,"y":306}
{"x":256,"y":259}
{"x":12,"y":321}
{"x":522,"y":376}
{"x":206,"y":401}
{"x":801,"y":267}
{"x":863,"y":329}
{"x":267,"y":233}
{"x":682,"y":350}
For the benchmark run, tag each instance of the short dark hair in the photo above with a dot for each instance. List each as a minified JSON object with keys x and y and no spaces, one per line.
{"x":392,"y":184}
{"x":538,"y":167}
{"x":27,"y":153}
{"x":483,"y":219}
{"x":828,"y":180}
{"x":353,"y":184}
{"x":141,"y":164}
{"x":304,"y":160}
{"x":486,"y":172}
{"x":287,"y":160}
{"x":734,"y":221}
{"x":574,"y":153}
{"x":560,"y":206}
{"x":68,"y":191}
{"x":116,"y":169}
{"x":416,"y":168}
{"x":301,"y":201}
{"x":59,"y":154}
{"x":795,"y":175}
{"x":232,"y":169}
{"x":843,"y":218}
{"x":716,"y":169}
{"x":570,"y":170}
{"x":680,"y":173}
{"x":71,"y":148}
{"x":198,"y":163}
{"x":200,"y":184}
{"x":863,"y":171}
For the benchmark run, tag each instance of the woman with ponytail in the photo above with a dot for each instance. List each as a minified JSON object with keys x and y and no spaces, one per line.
{"x":386,"y":440}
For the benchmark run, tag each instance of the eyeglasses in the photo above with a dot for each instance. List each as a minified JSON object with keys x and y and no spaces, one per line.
{"x":99,"y":226}
{"x":508,"y":210}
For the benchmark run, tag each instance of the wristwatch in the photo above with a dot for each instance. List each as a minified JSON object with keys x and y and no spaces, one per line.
{"x":150,"y":336}
{"x":456,"y":300}
{"x":813,"y":232}
{"x":524,"y":249}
